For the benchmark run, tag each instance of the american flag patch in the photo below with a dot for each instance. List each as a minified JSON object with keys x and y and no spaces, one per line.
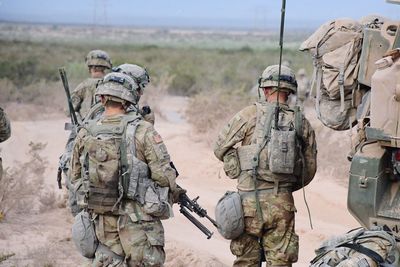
{"x":157,"y":138}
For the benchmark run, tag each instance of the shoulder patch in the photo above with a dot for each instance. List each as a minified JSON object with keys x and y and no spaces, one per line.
{"x":157,"y":138}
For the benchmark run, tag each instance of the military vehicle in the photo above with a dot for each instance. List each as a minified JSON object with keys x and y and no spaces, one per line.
{"x":374,"y":185}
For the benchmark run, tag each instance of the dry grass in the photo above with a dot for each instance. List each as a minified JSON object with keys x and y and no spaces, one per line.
{"x":22,"y":189}
{"x":208,"y":112}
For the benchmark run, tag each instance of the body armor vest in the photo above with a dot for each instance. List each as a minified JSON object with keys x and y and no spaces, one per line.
{"x":273,"y":152}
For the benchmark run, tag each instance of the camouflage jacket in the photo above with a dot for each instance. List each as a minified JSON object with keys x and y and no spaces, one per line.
{"x":5,"y":129}
{"x":240,"y":130}
{"x":150,"y":149}
{"x":83,"y":96}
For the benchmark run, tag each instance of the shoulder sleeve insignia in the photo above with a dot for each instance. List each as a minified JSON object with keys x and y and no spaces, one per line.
{"x":157,"y":138}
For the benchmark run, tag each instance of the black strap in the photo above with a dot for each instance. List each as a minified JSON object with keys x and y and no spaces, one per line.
{"x":366,"y":251}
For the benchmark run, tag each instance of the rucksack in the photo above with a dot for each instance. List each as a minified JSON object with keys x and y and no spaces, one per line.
{"x":359,"y":247}
{"x":335,"y":48}
{"x":111,"y":171}
{"x":105,"y":164}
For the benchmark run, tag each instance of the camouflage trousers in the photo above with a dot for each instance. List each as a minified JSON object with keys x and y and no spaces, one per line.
{"x":275,"y":231}
{"x":142,"y":244}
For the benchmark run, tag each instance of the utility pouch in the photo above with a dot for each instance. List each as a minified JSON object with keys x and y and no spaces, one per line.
{"x":282,"y":151}
{"x":229,"y":215}
{"x":84,"y":235}
{"x":232,"y":164}
{"x":156,"y":202}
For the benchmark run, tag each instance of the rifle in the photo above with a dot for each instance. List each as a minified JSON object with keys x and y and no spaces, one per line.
{"x":74,"y":120}
{"x":186,"y":204}
{"x":63,"y":75}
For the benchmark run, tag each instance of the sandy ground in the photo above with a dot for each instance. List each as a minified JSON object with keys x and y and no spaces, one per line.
{"x":43,"y":238}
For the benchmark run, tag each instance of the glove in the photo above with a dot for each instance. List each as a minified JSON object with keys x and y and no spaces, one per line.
{"x":177,"y":193}
{"x":146,"y":110}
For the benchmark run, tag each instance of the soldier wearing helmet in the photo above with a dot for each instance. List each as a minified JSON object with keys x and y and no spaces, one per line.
{"x":122,"y":176}
{"x":98,"y":63}
{"x":141,"y":76}
{"x":245,"y":146}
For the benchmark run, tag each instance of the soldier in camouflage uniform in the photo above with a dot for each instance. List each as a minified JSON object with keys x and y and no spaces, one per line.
{"x":131,"y":234}
{"x":5,"y":132}
{"x":83,"y":98}
{"x":269,"y":218}
{"x":141,"y":76}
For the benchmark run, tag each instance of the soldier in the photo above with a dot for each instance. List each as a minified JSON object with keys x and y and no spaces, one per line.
{"x":122,"y":175}
{"x":141,"y":76}
{"x":98,"y":63}
{"x":266,"y":194}
{"x":303,"y":87}
{"x":5,"y":132}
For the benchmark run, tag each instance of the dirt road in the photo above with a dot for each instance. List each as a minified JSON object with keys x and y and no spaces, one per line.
{"x":43,"y":237}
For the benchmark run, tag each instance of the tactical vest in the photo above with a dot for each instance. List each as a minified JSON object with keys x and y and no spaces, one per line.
{"x":274,"y":153}
{"x":108,"y":162}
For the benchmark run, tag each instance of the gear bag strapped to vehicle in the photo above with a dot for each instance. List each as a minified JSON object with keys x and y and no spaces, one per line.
{"x":335,"y":48}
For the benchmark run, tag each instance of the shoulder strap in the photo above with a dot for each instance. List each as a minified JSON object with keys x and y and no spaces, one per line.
{"x":298,"y":121}
{"x":130,"y":126}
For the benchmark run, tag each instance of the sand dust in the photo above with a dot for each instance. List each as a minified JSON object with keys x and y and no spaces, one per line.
{"x":40,"y":238}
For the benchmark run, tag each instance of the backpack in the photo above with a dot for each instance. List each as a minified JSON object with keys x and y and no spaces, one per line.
{"x":359,"y":247}
{"x":111,"y":171}
{"x":335,"y":48}
{"x":229,"y":215}
{"x":105,"y":167}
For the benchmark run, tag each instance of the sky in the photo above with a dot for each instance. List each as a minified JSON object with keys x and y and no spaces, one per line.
{"x":254,"y":14}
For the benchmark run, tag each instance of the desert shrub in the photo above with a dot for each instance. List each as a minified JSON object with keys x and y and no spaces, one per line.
{"x":209,"y":111}
{"x":22,"y":187}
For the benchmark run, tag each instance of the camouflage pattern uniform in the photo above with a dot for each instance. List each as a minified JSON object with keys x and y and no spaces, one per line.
{"x":276,"y":229}
{"x":83,"y":96}
{"x":5,"y":132}
{"x":132,"y":234}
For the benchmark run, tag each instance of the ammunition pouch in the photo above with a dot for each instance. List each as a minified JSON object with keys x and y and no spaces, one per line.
{"x":232,"y":165}
{"x":282,"y":151}
{"x":246,"y":155}
{"x":156,"y":202}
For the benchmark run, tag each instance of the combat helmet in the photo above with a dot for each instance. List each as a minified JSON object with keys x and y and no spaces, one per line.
{"x":98,"y":58}
{"x":139,"y":74}
{"x":118,"y":87}
{"x":270,"y":77}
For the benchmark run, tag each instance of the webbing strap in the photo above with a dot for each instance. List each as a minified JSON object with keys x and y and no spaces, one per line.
{"x":101,"y":227}
{"x":341,"y":87}
{"x":366,"y":251}
{"x":319,"y":80}
{"x":256,"y":159}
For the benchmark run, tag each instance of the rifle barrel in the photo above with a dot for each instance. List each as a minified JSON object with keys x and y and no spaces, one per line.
{"x":198,"y":224}
{"x":64,"y":80}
